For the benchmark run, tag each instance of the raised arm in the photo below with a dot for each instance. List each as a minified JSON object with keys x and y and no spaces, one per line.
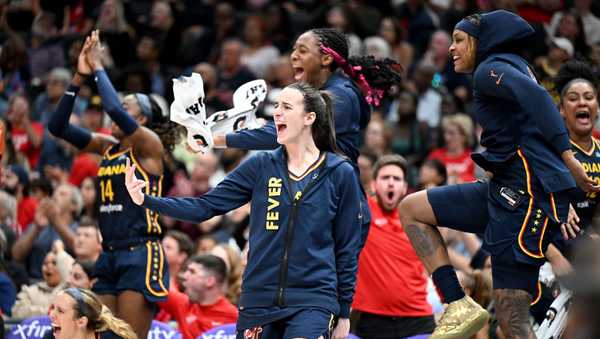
{"x":234,"y":191}
{"x":145,"y":142}
{"x":59,"y":124}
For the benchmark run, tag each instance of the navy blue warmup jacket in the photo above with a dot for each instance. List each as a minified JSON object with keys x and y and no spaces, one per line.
{"x":303,"y":250}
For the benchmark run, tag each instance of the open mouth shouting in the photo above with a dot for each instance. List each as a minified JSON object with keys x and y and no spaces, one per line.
{"x":583,"y":117}
{"x":280,"y":127}
{"x":298,"y":73}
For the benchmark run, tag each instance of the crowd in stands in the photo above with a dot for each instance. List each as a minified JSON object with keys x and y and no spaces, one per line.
{"x":49,"y":237}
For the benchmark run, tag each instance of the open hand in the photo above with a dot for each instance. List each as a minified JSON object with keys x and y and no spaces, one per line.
{"x":570,"y":228}
{"x":581,"y":178}
{"x":83,"y":67}
{"x":94,"y":53}
{"x":342,"y":329}
{"x":133,"y":184}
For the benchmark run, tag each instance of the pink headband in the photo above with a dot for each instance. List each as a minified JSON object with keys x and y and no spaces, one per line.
{"x":373,"y":95}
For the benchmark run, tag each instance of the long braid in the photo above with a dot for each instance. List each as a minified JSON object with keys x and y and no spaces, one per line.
{"x":374,"y":76}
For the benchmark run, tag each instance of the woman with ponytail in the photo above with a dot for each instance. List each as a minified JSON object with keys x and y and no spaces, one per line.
{"x":77,"y":313}
{"x":304,"y":244}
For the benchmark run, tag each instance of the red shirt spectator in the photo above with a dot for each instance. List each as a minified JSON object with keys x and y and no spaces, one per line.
{"x":84,"y":165}
{"x":391,"y":279}
{"x":25,"y":213}
{"x":456,"y":156}
{"x":460,"y":168}
{"x":26,"y":135}
{"x":23,"y":143}
{"x":203,"y":305}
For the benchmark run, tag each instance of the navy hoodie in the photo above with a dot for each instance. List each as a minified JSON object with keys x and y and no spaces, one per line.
{"x":303,"y":251}
{"x":513,"y":109}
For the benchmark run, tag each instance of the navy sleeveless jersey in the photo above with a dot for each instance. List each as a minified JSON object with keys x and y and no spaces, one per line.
{"x":585,"y":203}
{"x":121,"y":221}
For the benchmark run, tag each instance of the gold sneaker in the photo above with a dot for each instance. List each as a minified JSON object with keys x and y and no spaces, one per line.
{"x":462,"y":319}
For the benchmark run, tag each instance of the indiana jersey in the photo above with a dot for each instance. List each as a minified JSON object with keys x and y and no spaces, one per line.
{"x":120,"y":219}
{"x":585,"y":203}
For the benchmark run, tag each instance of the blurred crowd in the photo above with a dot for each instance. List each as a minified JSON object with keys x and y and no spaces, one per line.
{"x":49,"y":237}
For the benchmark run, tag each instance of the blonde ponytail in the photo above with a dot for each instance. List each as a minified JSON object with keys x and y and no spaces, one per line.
{"x":107,"y":321}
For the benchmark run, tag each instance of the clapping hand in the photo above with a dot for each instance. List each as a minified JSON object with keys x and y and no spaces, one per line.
{"x":94,"y":53}
{"x":83,"y":68}
{"x":133,"y":184}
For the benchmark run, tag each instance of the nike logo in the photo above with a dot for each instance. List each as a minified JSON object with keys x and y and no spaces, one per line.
{"x":70,"y":93}
{"x":498,"y":78}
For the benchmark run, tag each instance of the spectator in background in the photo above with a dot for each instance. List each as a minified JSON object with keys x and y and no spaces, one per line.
{"x":418,"y":17}
{"x":560,"y":50}
{"x":82,"y":274}
{"x":46,"y":51}
{"x":570,"y":26}
{"x":391,"y":286}
{"x":26,"y":135}
{"x":437,"y":54}
{"x":337,"y":18}
{"x":56,"y":160}
{"x":456,"y":154}
{"x":233,"y":260}
{"x":54,"y":219}
{"x":591,"y":23}
{"x":89,"y":198}
{"x":408,"y":135}
{"x":432,"y":174}
{"x":203,"y":305}
{"x":429,"y":99}
{"x":377,"y":136}
{"x":88,"y":240}
{"x":259,"y":54}
{"x":92,"y":117}
{"x":34,"y":300}
{"x":366,"y":160}
{"x":13,"y":62}
{"x":148,"y":50}
{"x":116,"y":33}
{"x":167,"y":31}
{"x":45,"y":103}
{"x":391,"y":30}
{"x":8,"y":292}
{"x":178,"y":248}
{"x":15,"y":181}
{"x":281,"y":74}
{"x":231,"y":73}
{"x":378,"y":47}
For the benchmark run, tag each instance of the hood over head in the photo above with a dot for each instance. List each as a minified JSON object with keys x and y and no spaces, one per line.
{"x":498,"y":31}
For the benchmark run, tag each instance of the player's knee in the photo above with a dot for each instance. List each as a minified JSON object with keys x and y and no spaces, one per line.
{"x":409,"y":206}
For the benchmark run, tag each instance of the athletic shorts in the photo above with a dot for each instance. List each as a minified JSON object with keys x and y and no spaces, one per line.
{"x":287,"y":322}
{"x":516,"y":220}
{"x":141,"y":268}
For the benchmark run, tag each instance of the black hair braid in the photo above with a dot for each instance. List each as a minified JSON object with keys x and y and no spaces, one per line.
{"x":169,"y":132}
{"x":335,"y":40}
{"x":571,"y":70}
{"x":380,"y":74}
